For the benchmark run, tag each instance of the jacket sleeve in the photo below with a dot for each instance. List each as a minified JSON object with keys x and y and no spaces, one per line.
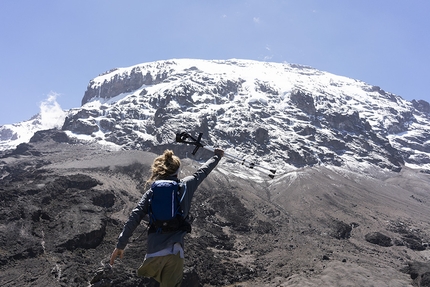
{"x":193,"y":181}
{"x":136,"y":216}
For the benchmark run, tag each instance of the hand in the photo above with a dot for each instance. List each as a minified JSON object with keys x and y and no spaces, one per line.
{"x":219,"y":152}
{"x":117,"y":252}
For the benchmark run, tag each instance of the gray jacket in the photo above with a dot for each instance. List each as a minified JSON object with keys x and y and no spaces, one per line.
{"x":160,"y":241}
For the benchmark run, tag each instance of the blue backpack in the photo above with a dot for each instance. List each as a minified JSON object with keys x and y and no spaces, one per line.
{"x":165,"y":212}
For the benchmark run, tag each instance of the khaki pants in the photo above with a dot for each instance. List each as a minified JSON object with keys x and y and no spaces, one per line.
{"x":167,"y":270}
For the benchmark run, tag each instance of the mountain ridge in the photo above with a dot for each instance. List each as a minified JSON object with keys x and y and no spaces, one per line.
{"x":285,"y":114}
{"x":259,"y":108}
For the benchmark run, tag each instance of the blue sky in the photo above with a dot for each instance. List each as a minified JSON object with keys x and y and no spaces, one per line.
{"x":52,"y":46}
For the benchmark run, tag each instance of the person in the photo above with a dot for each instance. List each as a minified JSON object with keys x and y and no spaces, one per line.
{"x":164,"y":260}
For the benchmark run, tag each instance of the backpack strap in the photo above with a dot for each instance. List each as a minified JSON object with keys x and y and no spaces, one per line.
{"x":185,"y":190}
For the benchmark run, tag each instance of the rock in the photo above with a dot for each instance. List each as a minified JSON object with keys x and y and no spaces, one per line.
{"x":342,"y":230}
{"x":422,"y":106}
{"x":425,"y":279}
{"x":413,"y":242}
{"x":419,"y":272}
{"x":7,"y":134}
{"x":86,"y":233}
{"x":303,"y":101}
{"x":103,"y":277}
{"x":22,"y":149}
{"x":46,"y":135}
{"x":80,"y":126}
{"x":261,"y":136}
{"x":378,"y":239}
{"x":118,"y":85}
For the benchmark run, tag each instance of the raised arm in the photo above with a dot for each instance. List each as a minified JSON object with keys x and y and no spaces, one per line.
{"x":193,"y":181}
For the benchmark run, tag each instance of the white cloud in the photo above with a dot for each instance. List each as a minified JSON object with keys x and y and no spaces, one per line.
{"x":51,"y":114}
{"x":256,"y":20}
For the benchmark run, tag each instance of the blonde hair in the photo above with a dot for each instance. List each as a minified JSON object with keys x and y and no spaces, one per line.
{"x":164,"y":166}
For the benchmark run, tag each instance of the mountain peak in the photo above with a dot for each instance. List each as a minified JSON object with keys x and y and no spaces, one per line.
{"x":285,"y":115}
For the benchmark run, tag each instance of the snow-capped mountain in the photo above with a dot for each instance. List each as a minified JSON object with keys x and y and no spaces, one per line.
{"x":286,"y":115}
{"x":14,"y":134}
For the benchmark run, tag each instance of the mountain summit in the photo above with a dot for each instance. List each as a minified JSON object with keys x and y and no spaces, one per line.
{"x":287,"y":115}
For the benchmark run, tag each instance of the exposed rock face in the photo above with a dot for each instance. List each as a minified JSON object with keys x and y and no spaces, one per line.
{"x":122,"y":84}
{"x":7,"y":134}
{"x":422,"y":106}
{"x":46,"y":135}
{"x":303,"y":101}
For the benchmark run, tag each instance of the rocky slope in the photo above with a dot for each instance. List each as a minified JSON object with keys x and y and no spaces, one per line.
{"x":63,"y":205}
